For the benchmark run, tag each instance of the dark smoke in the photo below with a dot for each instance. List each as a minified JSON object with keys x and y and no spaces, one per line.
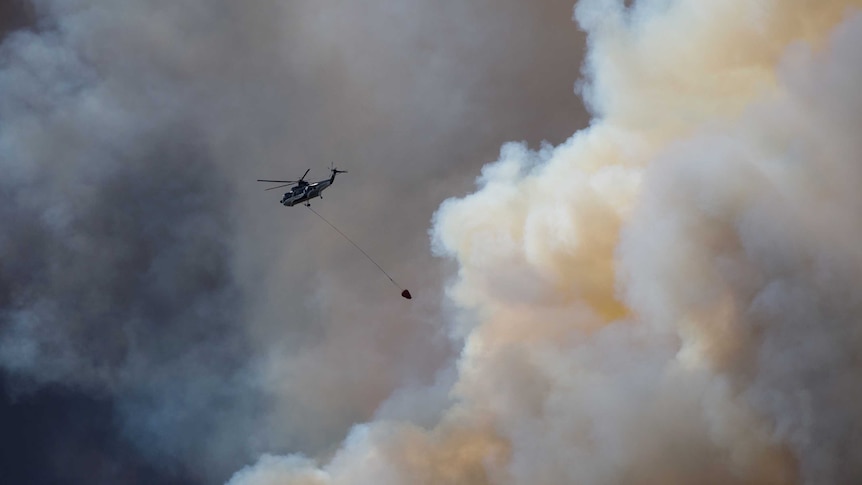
{"x":160,"y":316}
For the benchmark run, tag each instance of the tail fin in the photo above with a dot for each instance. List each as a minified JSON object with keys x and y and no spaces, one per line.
{"x":335,"y":171}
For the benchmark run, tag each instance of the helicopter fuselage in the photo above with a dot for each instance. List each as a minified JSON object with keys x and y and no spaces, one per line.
{"x":304,"y":193}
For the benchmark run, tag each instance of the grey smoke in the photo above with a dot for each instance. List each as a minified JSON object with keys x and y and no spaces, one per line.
{"x":140,"y":262}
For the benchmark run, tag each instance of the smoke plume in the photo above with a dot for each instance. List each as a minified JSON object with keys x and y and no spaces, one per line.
{"x":669,"y":296}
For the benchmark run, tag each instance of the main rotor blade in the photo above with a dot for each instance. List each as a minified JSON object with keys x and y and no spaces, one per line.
{"x":303,"y":175}
{"x":277,"y":187}
{"x":278,"y":181}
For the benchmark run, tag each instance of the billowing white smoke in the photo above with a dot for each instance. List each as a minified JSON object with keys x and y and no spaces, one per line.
{"x":672,"y":295}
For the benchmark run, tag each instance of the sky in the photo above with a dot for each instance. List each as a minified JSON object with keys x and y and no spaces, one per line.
{"x":630,"y":229}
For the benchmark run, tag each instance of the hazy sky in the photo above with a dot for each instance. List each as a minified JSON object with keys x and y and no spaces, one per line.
{"x":162,"y":316}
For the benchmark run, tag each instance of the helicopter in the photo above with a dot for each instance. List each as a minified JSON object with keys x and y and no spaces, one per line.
{"x":303,"y":191}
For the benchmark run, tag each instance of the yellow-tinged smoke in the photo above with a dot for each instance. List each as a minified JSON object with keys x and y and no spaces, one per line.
{"x":672,"y":295}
